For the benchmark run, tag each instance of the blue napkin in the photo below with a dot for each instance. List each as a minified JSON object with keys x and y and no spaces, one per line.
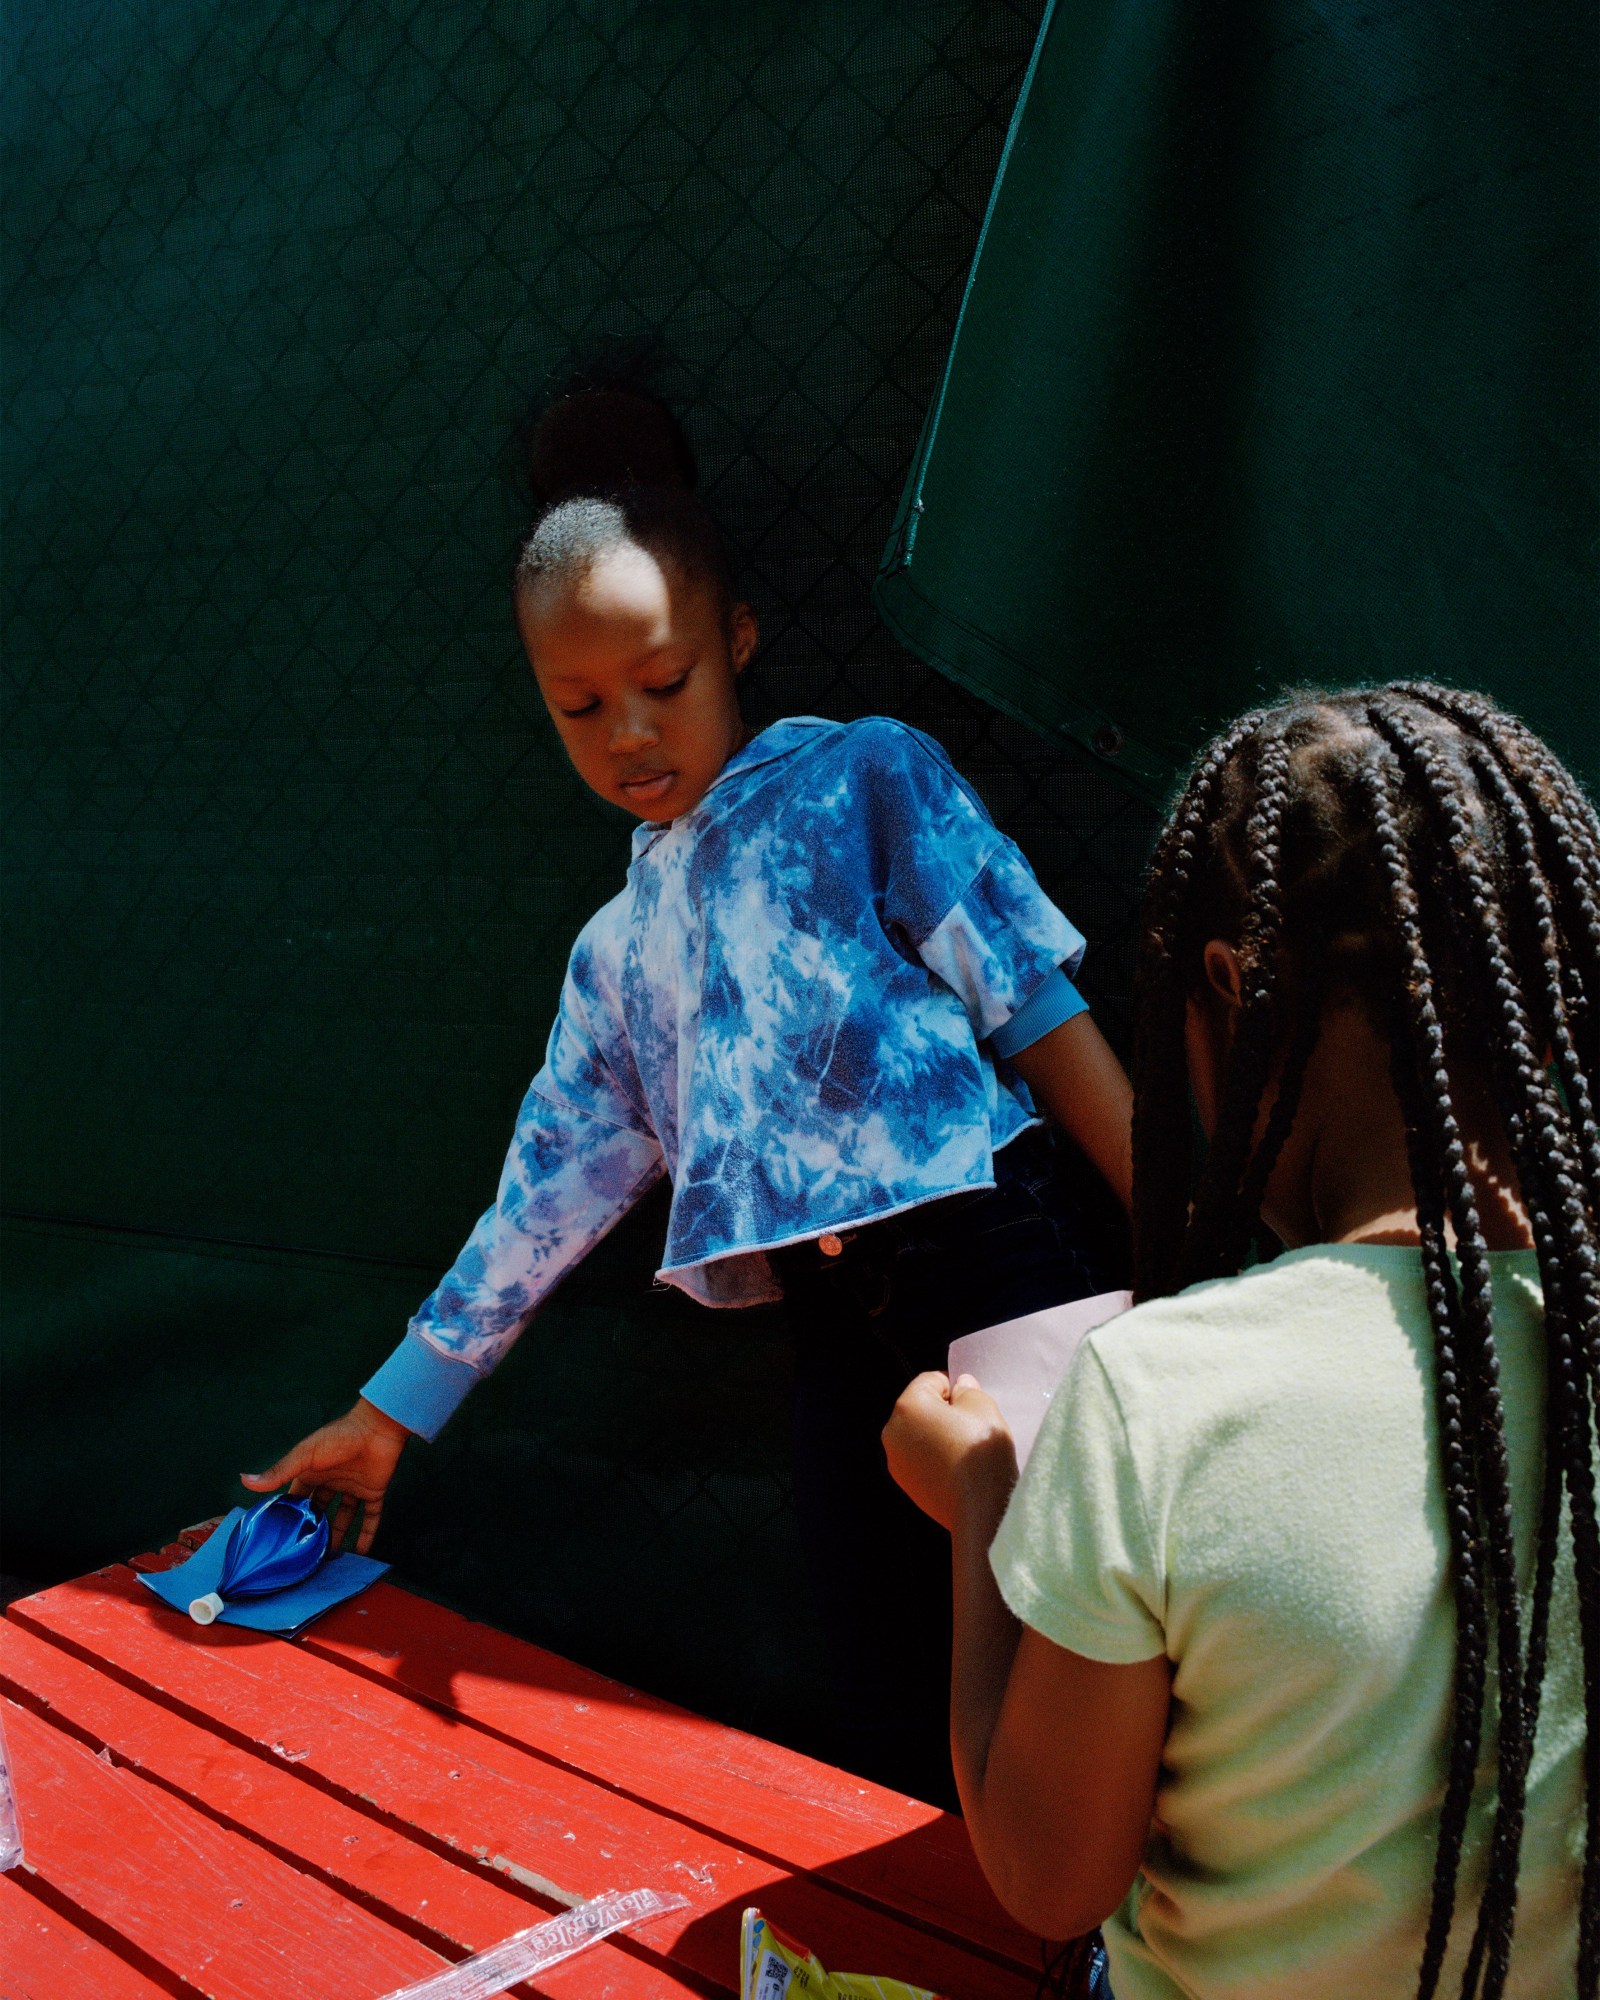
{"x":285,"y":1611}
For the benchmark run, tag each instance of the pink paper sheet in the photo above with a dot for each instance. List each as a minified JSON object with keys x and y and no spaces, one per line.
{"x":1021,"y":1362}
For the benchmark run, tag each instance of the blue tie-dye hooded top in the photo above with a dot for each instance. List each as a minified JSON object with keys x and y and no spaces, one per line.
{"x":786,"y":1010}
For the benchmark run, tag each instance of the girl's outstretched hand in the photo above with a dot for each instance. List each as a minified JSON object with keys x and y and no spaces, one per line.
{"x":948,"y":1446}
{"x":349,"y":1461}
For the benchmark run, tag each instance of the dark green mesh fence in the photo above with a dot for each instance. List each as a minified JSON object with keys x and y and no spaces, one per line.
{"x":294,"y":862}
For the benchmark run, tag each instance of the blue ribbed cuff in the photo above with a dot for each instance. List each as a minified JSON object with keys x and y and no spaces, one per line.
{"x":1057,"y":1000}
{"x":420,"y":1387}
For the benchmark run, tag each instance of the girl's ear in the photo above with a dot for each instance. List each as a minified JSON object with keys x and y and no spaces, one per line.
{"x":744,"y":635}
{"x":1223,"y":973}
{"x":1208,"y":1028}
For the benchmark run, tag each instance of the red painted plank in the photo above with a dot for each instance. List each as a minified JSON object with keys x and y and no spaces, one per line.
{"x":44,"y":1956}
{"x":179,"y":1549}
{"x":232,"y":1920}
{"x":262,"y":1797}
{"x":897,"y":1852}
{"x":550,"y":1828}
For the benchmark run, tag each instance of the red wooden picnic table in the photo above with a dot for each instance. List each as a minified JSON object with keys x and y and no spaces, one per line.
{"x":207,"y":1810}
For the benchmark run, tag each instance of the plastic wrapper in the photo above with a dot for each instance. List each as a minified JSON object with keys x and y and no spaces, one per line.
{"x":10,"y":1831}
{"x":774,"y":1967}
{"x":526,"y":1952}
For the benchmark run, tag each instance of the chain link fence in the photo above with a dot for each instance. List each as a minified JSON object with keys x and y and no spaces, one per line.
{"x":294,"y":860}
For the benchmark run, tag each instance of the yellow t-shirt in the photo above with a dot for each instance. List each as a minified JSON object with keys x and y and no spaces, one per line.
{"x":1246,"y":1478}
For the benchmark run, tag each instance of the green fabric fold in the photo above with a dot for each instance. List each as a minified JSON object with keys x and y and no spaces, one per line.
{"x":1277,"y":362}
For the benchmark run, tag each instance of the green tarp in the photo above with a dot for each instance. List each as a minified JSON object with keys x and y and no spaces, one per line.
{"x":1277,"y":362}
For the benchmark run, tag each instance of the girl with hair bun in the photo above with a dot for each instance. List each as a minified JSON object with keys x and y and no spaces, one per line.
{"x":1282,"y":1658}
{"x":829,"y":1004}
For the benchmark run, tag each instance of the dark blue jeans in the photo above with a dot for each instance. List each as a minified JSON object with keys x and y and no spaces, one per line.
{"x":864,"y":1323}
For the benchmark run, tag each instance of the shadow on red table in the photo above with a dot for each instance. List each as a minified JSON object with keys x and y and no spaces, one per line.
{"x":685,"y":1798}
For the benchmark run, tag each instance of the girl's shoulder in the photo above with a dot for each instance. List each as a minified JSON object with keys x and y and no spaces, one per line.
{"x":882,"y":740}
{"x":870,"y":739}
{"x":883,"y":760}
{"x":874,"y":768}
{"x":1318,"y":1299}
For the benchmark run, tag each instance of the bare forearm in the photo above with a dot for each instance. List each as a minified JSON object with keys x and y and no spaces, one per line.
{"x":1056,"y":1755}
{"x":985,"y":1639}
{"x":1074,"y":1073}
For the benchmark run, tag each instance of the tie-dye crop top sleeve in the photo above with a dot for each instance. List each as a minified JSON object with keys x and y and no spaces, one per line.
{"x":964,"y":896}
{"x":798,"y":1008}
{"x":581,"y":1155}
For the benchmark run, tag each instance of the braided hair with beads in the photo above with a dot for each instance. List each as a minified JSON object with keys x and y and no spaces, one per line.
{"x":1415,"y":849}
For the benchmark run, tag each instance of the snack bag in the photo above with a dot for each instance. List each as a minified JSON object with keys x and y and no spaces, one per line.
{"x":773,"y":1967}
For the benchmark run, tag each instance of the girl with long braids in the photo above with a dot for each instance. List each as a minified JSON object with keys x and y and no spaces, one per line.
{"x":1282,"y":1659}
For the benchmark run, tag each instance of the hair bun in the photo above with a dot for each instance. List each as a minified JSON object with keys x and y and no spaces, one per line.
{"x":601,"y":441}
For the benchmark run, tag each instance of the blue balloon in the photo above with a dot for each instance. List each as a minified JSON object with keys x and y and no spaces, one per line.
{"x":278,"y":1543}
